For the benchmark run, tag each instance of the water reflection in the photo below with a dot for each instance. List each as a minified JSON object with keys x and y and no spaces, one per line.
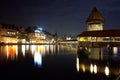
{"x":54,"y":60}
{"x":105,"y":67}
{"x":107,"y":72}
{"x":12,"y":52}
{"x":38,"y":59}
{"x":95,"y":68}
{"x":91,"y":68}
{"x":77,"y":64}
{"x":23,"y":50}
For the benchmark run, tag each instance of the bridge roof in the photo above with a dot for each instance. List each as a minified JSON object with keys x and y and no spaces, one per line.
{"x":101,"y":33}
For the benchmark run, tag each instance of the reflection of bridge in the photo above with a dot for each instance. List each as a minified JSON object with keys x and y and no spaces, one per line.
{"x":103,"y":67}
{"x":68,"y":42}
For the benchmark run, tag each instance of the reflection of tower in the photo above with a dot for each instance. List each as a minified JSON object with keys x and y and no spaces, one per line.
{"x":56,"y":37}
{"x":55,"y":49}
{"x":55,"y":46}
{"x":95,"y":22}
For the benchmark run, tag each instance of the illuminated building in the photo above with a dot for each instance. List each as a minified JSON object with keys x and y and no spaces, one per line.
{"x":17,"y":34}
{"x":10,"y":33}
{"x":38,"y":35}
{"x":34,"y":34}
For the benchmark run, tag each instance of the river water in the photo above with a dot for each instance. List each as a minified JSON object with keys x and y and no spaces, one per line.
{"x":53,"y":62}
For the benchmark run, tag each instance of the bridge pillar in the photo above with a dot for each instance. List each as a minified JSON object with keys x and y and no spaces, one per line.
{"x":110,"y":49}
{"x":96,"y":53}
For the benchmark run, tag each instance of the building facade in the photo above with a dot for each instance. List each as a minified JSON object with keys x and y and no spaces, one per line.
{"x":9,"y":33}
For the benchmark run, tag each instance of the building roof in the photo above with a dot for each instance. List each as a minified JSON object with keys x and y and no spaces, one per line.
{"x":101,"y":33}
{"x":95,"y":15}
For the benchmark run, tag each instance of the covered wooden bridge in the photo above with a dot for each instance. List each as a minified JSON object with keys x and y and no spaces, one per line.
{"x":99,"y":38}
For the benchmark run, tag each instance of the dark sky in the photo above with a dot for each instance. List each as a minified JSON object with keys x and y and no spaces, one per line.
{"x":62,"y":16}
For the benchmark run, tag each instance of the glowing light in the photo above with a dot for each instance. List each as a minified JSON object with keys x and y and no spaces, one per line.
{"x":38,"y":59}
{"x":7,"y":51}
{"x":42,"y":49}
{"x":40,"y":29}
{"x":32,"y":41}
{"x":43,"y":36}
{"x":82,"y":39}
{"x":23,"y":41}
{"x":50,"y":48}
{"x":91,"y":68}
{"x":68,"y":38}
{"x":95,"y":69}
{"x":23,"y":50}
{"x":11,"y":51}
{"x":77,"y":64}
{"x":27,"y":47}
{"x":16,"y":50}
{"x":115,"y":50}
{"x":83,"y":67}
{"x":33,"y":48}
{"x":107,"y":72}
{"x":37,"y":31}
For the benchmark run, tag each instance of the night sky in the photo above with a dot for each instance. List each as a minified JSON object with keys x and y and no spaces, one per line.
{"x":62,"y":16}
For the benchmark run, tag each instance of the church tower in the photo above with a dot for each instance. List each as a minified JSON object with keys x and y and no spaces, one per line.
{"x":95,"y":20}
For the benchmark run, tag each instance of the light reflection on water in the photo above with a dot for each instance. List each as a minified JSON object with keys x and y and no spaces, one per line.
{"x":39,"y":53}
{"x":38,"y":59}
{"x":106,"y":67}
{"x":97,"y":61}
{"x":11,"y":52}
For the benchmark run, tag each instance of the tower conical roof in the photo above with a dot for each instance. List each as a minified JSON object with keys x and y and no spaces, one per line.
{"x":95,"y":16}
